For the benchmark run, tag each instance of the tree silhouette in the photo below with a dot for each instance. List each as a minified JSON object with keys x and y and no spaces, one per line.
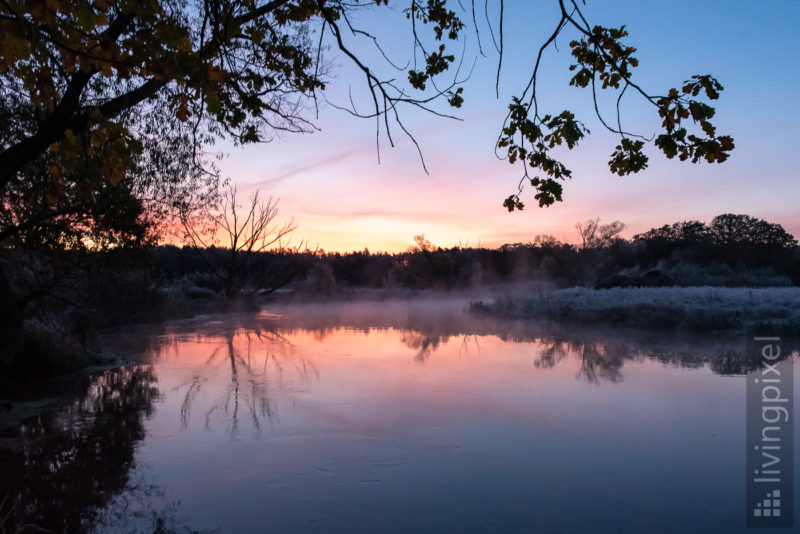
{"x":596,"y":235}
{"x":241,"y":232}
{"x":730,"y":229}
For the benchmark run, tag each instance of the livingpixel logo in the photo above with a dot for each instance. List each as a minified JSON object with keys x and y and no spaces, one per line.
{"x":770,"y":506}
{"x":770,"y":433}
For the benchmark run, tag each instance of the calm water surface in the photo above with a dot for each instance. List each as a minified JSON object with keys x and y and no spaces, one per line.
{"x":390,"y":419}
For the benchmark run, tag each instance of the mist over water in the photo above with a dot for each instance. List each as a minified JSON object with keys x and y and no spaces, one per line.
{"x":394,"y":416}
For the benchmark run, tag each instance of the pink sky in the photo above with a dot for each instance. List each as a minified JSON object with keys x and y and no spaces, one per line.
{"x":342,"y":199}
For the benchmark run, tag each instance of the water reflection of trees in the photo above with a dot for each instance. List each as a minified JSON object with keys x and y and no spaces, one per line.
{"x":66,"y":464}
{"x":600,"y":356}
{"x":424,"y":344}
{"x":596,"y":362}
{"x":601,"y":353}
{"x":250,"y":378}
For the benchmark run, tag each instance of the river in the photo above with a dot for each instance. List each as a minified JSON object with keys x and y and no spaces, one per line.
{"x":401,"y":417}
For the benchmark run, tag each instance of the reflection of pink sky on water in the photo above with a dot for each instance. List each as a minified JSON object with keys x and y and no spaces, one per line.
{"x":385,"y":377}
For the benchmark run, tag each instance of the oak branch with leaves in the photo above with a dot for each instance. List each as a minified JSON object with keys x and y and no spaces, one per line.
{"x":70,"y":70}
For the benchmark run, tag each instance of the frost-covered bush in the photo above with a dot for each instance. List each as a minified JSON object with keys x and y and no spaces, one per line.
{"x":694,"y":308}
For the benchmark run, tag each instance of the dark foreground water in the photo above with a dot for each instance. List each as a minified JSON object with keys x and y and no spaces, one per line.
{"x":376,"y":419}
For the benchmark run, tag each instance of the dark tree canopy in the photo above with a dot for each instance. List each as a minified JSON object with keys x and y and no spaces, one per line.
{"x":725,"y":230}
{"x":687,"y":233}
{"x":75,"y":75}
{"x":84,"y":207}
{"x":730,"y":229}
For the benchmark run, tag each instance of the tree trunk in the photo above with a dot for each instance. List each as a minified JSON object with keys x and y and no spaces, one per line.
{"x":11,"y":317}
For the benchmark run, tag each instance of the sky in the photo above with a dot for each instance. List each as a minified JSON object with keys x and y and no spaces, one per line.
{"x":343,"y":198}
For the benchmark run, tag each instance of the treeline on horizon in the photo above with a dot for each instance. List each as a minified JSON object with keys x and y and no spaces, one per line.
{"x":733,"y":250}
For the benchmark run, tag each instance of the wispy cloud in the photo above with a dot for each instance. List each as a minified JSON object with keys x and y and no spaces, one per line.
{"x":306,"y":166}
